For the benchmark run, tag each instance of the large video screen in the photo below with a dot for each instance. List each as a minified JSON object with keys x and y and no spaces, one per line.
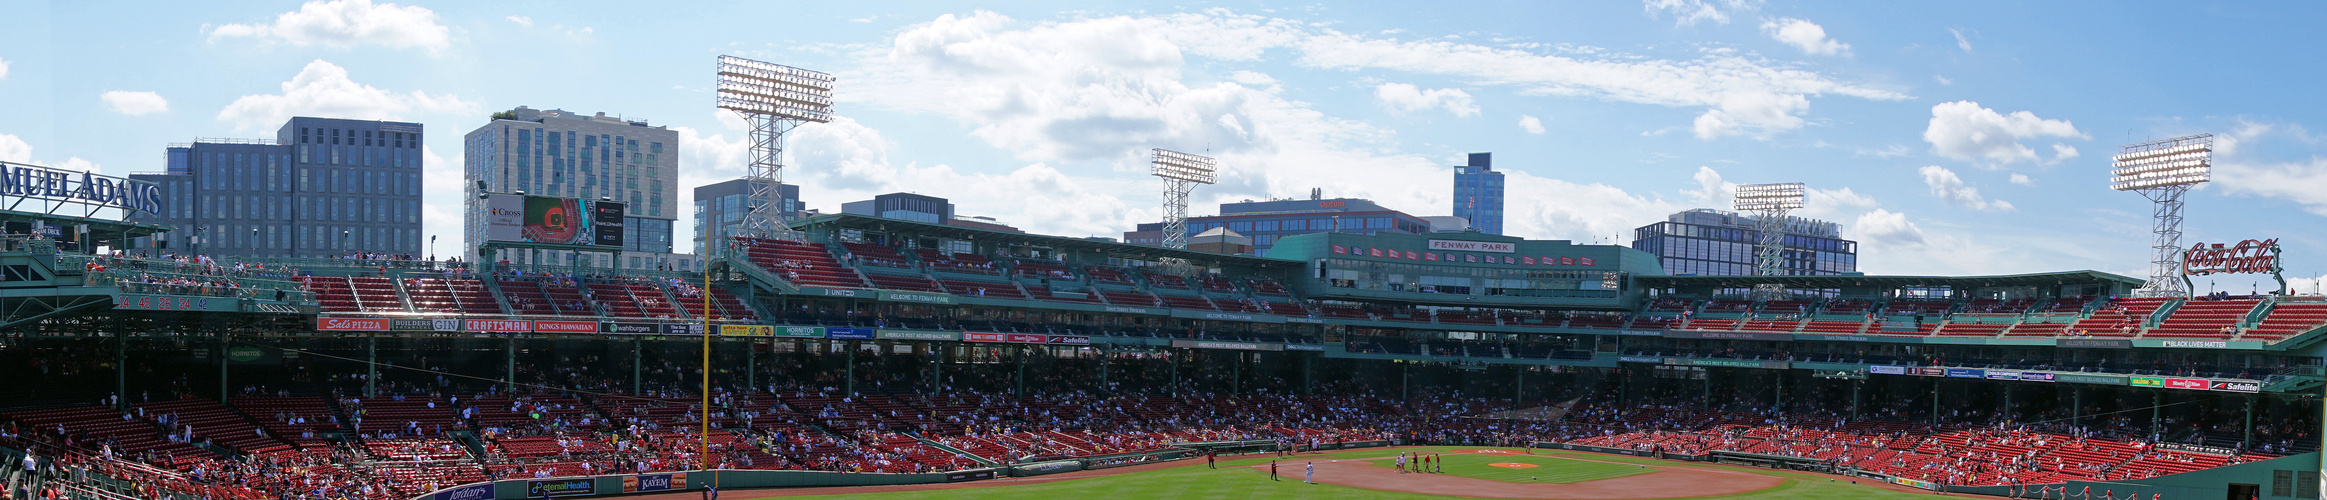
{"x":554,"y":221}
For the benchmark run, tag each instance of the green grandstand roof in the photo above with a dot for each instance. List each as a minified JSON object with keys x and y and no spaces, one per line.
{"x":1109,"y":247}
{"x":1864,"y":281}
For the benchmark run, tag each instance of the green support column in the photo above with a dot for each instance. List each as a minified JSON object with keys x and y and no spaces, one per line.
{"x":851,"y":346}
{"x":511,"y":372}
{"x":1623,"y":386}
{"x":635,"y":368}
{"x":2323,"y":435}
{"x":224,"y":338}
{"x":2156,"y":405}
{"x":2248,"y":439}
{"x":1518,"y":385}
{"x":1781,"y":390}
{"x":1405,"y":381}
{"x":1021,"y":372}
{"x":1308,"y":370}
{"x":121,"y":367}
{"x":1934,"y":401}
{"x":372,"y":365}
{"x":1175,"y":364}
{"x":937,"y":367}
{"x":1707,"y":396}
{"x":751,"y":360}
{"x":1856,"y":387}
{"x":1236,"y":374}
{"x":1102,"y":371}
{"x":2008,"y":415}
{"x":2076,"y":409}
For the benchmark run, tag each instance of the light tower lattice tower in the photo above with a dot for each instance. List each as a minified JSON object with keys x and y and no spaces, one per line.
{"x":2162,"y":171}
{"x":1769,"y":203}
{"x":1181,"y":173}
{"x":773,"y":98}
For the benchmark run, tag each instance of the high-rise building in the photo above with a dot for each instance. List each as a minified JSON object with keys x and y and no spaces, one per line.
{"x":907,"y":206}
{"x":1266,"y":221}
{"x":323,"y":187}
{"x":720,"y":208}
{"x":1478,"y":193}
{"x":561,"y":154}
{"x":1718,"y":243}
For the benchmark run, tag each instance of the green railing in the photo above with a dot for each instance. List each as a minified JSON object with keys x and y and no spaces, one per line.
{"x":174,"y":278}
{"x":401,"y":264}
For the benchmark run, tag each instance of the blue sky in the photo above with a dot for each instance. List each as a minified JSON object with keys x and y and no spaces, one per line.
{"x":1953,"y":138}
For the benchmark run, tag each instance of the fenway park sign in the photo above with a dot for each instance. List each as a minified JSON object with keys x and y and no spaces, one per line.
{"x":2247,"y":257}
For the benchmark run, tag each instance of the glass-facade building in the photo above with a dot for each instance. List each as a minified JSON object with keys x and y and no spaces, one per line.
{"x":1267,"y":221}
{"x":1709,"y":242}
{"x":323,"y":187}
{"x":561,"y":154}
{"x":720,"y":208}
{"x":1478,"y":193}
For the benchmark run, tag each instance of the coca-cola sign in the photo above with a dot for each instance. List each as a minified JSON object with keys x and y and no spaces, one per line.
{"x":2247,"y":257}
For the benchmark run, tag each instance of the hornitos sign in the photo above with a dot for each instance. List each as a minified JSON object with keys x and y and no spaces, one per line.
{"x":34,"y":181}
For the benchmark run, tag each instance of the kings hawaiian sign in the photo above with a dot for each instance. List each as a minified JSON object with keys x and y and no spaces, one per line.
{"x":2247,"y":257}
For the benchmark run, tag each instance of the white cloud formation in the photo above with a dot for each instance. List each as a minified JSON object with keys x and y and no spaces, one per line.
{"x":1965,"y":131}
{"x":1960,"y":41}
{"x":1531,"y":124}
{"x":2022,"y":179}
{"x":2303,"y":182}
{"x":324,"y":89}
{"x":134,"y":103}
{"x":348,"y":23}
{"x":1805,"y":35}
{"x":1951,"y":188}
{"x":13,"y":148}
{"x":521,"y":20}
{"x":1885,"y":227}
{"x":3,"y":69}
{"x":1406,"y":98}
{"x":1690,"y":12}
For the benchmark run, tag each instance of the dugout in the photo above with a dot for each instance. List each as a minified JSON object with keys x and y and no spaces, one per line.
{"x":1772,"y":461}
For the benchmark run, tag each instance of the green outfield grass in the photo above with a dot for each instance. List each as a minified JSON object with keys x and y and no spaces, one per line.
{"x":1235,"y":479}
{"x":1550,"y":469}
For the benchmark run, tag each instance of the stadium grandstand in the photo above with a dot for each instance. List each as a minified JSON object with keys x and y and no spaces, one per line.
{"x":906,"y":351}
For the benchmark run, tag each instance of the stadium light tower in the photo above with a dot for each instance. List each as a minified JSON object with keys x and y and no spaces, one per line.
{"x":773,"y":98}
{"x":1181,"y":173}
{"x":2164,"y":170}
{"x":1769,"y":203}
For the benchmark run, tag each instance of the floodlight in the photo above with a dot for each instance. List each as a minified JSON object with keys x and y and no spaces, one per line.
{"x":2162,"y":171}
{"x":1763,"y":197}
{"x":1181,"y":173}
{"x":774,"y":98}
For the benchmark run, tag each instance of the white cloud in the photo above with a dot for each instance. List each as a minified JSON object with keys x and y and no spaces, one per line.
{"x":3,"y":69}
{"x":2063,"y":152}
{"x":1531,"y":124}
{"x":1690,"y":12}
{"x":1887,"y":228}
{"x":2304,"y":183}
{"x":1405,"y":98}
{"x":521,"y":20}
{"x":1960,"y":41}
{"x":324,"y":89}
{"x":13,"y":148}
{"x":1942,"y":79}
{"x":1805,"y":35}
{"x":1963,"y":130}
{"x":1950,"y":188}
{"x":2023,"y":179}
{"x":348,"y":23}
{"x":134,"y":103}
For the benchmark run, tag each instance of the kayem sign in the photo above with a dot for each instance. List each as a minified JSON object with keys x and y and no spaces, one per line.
{"x":2247,"y":257}
{"x":351,"y":324}
{"x":1473,"y":246}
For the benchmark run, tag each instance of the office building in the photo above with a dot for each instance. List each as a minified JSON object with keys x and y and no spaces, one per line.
{"x":905,"y":206}
{"x":720,"y":208}
{"x":323,"y":187}
{"x":561,"y":154}
{"x":1718,"y":243}
{"x":1478,"y":193}
{"x":1266,"y":221}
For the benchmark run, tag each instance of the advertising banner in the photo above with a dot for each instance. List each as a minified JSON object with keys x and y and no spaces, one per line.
{"x":1304,"y":347}
{"x":548,"y":326}
{"x":559,"y":488}
{"x":2188,"y":383}
{"x":809,"y":332}
{"x":849,"y":333}
{"x":981,"y":337}
{"x":2095,"y":343}
{"x":969,"y":475}
{"x":654,"y":482}
{"x":633,"y":328}
{"x":682,"y":329}
{"x":608,"y":217}
{"x":747,"y":330}
{"x":411,"y":325}
{"x":1887,"y":370}
{"x":1233,"y":346}
{"x":1069,"y":340}
{"x":351,"y":324}
{"x":497,"y":325}
{"x":919,"y":298}
{"x":482,"y":491}
{"x":1024,"y":338}
{"x":1473,"y":246}
{"x":2072,"y":378}
{"x":914,"y":335}
{"x":2147,"y":381}
{"x":1966,"y":373}
{"x":2246,"y":386}
{"x":160,"y":303}
{"x":2036,"y":376}
{"x":2003,"y":375}
{"x":1705,"y":334}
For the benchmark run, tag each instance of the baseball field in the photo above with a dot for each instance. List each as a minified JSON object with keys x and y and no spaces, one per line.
{"x":1467,"y":471}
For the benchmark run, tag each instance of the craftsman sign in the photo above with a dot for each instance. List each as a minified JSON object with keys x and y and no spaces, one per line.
{"x":32,"y":181}
{"x":497,"y":325}
{"x":2247,"y":257}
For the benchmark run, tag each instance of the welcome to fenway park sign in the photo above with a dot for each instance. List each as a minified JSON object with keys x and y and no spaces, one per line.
{"x":2246,"y":257}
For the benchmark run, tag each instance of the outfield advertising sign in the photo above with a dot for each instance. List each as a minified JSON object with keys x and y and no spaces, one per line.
{"x":654,"y":482}
{"x":981,"y":337}
{"x":747,"y":330}
{"x":2147,"y":381}
{"x":849,"y":333}
{"x":482,"y":491}
{"x":810,"y":332}
{"x":351,"y":324}
{"x":559,"y":488}
{"x":682,"y":329}
{"x":548,"y":326}
{"x":914,"y":335}
{"x":631,"y":328}
{"x":498,"y":325}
